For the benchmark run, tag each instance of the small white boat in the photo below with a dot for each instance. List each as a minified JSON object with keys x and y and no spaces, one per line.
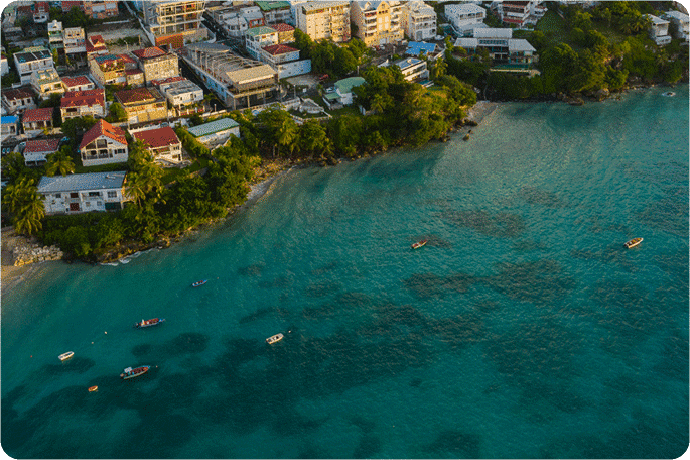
{"x":273,"y":339}
{"x":66,"y":355}
{"x":634,"y":242}
{"x":669,"y":94}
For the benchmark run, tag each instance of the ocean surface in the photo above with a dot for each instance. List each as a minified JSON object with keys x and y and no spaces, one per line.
{"x":523,"y":329}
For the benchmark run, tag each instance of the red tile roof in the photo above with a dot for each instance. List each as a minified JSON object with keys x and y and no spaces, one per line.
{"x":95,"y":43}
{"x":129,"y":96}
{"x":32,"y":115}
{"x":126,"y":59}
{"x":103,"y":128}
{"x":67,"y":5}
{"x":90,"y":97}
{"x":14,"y":94}
{"x":159,"y":137}
{"x":73,"y":82}
{"x":279,"y":49}
{"x":147,"y":53}
{"x":282,"y":27}
{"x":43,"y":145}
{"x":166,"y":80}
{"x":133,"y":72}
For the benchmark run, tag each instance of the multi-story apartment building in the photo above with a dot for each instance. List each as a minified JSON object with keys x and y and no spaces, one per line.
{"x":41,"y":12}
{"x":82,"y":103}
{"x":659,"y":30}
{"x":77,"y":193}
{"x":142,"y":104}
{"x":418,"y":20}
{"x":17,"y":100}
{"x":322,"y":19}
{"x":257,"y":38}
{"x":55,"y":40}
{"x":377,"y":22}
{"x":682,"y":23}
{"x":275,"y":11}
{"x":162,"y":143}
{"x":156,"y":63}
{"x":31,"y":60}
{"x":174,"y":22}
{"x":74,"y":40}
{"x":108,"y":69}
{"x":46,"y":82}
{"x":185,"y":97}
{"x":103,"y":144}
{"x":96,"y":9}
{"x":465,"y":16}
{"x":502,"y":47}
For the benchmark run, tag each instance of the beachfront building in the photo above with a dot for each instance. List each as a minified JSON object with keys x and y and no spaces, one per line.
{"x":274,"y":11}
{"x":377,"y":22}
{"x":74,"y":40}
{"x":258,"y":37}
{"x":10,"y":126}
{"x":17,"y":100}
{"x":142,"y":104}
{"x":502,"y":47}
{"x":185,"y":97}
{"x":658,"y":30}
{"x":285,"y":60}
{"x":77,"y":193}
{"x":156,"y":63}
{"x":46,"y":82}
{"x":32,"y":60}
{"x":81,"y":83}
{"x":83,"y":103}
{"x":162,"y":143}
{"x":418,"y":20}
{"x":681,"y":22}
{"x":173,"y":22}
{"x":519,"y":13}
{"x":35,"y":150}
{"x":413,"y":70}
{"x":464,"y":17}
{"x":215,"y":132}
{"x":35,"y":121}
{"x":237,"y":81}
{"x":103,"y":144}
{"x":324,"y":19}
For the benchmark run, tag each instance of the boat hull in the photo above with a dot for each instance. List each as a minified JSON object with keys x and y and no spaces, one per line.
{"x":135,"y":372}
{"x":66,"y":356}
{"x":634,"y":242}
{"x":149,"y":323}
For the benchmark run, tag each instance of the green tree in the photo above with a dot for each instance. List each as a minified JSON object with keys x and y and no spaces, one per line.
{"x":117,"y":112}
{"x":438,"y":69}
{"x":26,"y":206}
{"x":13,"y":166}
{"x":60,"y":162}
{"x":312,"y":138}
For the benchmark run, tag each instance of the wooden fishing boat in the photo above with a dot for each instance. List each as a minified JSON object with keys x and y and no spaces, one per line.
{"x":129,"y":373}
{"x":273,"y":339}
{"x":419,"y":244}
{"x":66,"y":355}
{"x":149,"y":323}
{"x":93,"y":388}
{"x":634,"y":242}
{"x":198,"y":283}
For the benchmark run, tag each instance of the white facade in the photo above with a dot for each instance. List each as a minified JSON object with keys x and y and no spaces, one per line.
{"x":46,"y":82}
{"x":418,"y":20}
{"x":74,"y":40}
{"x":182,"y":93}
{"x":257,"y":38}
{"x":465,"y":15}
{"x":682,"y":22}
{"x":79,"y":193}
{"x":32,"y":60}
{"x":413,"y":69}
{"x":659,"y":30}
{"x":4,"y":66}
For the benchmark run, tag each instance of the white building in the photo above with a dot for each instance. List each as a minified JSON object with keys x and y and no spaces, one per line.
{"x":464,"y":16}
{"x":322,"y":19}
{"x":258,"y":37}
{"x":103,"y":144}
{"x":162,"y":143}
{"x":413,"y":69}
{"x":77,"y":193}
{"x":519,"y":13}
{"x":418,"y":20}
{"x":36,"y":150}
{"x":215,"y":132}
{"x":4,"y":66}
{"x":74,"y":40}
{"x":185,"y":97}
{"x":285,"y":60}
{"x":55,"y":40}
{"x":31,"y":60}
{"x":46,"y":82}
{"x":682,"y":22}
{"x":659,"y":30}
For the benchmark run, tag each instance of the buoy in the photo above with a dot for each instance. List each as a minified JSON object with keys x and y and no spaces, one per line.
{"x":106,"y":332}
{"x":31,"y":356}
{"x":91,"y":343}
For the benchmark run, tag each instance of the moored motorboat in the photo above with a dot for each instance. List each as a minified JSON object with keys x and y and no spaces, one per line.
{"x":149,"y":322}
{"x":66,"y":355}
{"x":93,"y":388}
{"x":129,"y":372}
{"x":419,"y":244}
{"x":669,"y":94}
{"x":634,"y":242}
{"x":198,"y":283}
{"x":275,"y":338}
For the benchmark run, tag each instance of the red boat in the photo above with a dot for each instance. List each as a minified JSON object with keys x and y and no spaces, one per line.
{"x":419,"y":244}
{"x":149,"y":323}
{"x":129,"y":373}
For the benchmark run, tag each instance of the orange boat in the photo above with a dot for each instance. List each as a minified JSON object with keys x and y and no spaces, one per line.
{"x":93,"y":388}
{"x":419,"y":244}
{"x":634,"y":242}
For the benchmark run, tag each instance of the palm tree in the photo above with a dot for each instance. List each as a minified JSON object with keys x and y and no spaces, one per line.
{"x":134,"y":187}
{"x":60,"y":162}
{"x":25,"y":204}
{"x":287,"y":135}
{"x":144,"y":181}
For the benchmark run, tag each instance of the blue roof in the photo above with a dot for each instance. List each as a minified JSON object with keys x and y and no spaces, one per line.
{"x":213,"y":127}
{"x":8,"y":119}
{"x":87,"y":181}
{"x":32,"y":54}
{"x":106,"y":57}
{"x":415,"y":48}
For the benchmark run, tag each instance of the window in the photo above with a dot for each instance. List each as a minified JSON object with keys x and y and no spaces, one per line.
{"x":91,"y":194}
{"x":112,"y":194}
{"x":58,"y":195}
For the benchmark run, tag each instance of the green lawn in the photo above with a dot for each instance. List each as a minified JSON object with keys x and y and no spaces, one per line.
{"x":552,"y":23}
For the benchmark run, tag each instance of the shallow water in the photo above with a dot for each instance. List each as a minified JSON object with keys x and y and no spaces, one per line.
{"x":522,"y":329}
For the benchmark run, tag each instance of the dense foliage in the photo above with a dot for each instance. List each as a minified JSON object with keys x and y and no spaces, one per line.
{"x":329,"y":58}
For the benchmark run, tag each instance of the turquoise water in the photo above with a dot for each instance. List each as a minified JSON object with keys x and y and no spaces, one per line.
{"x":522,"y":329}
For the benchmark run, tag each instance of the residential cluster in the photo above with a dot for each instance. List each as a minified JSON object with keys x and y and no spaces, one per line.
{"x":240,"y":52}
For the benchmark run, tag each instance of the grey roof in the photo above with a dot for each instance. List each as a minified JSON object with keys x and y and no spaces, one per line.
{"x":493,"y":32}
{"x":405,"y":63}
{"x":87,"y":181}
{"x":213,"y":127}
{"x":520,"y":44}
